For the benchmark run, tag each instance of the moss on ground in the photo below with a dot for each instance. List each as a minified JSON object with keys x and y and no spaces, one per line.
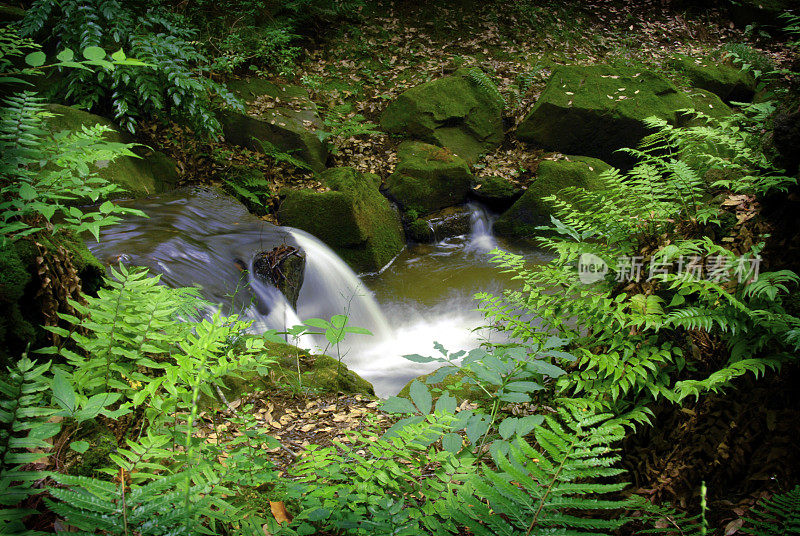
{"x":729,"y":83}
{"x":319,"y":374}
{"x":154,"y":173}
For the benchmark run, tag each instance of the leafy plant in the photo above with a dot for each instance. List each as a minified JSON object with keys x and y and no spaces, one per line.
{"x":24,"y":431}
{"x":172,"y":83}
{"x":342,"y":125}
{"x":43,"y":177}
{"x":780,"y":515}
{"x":482,"y":80}
{"x":553,"y":488}
{"x":633,"y":345}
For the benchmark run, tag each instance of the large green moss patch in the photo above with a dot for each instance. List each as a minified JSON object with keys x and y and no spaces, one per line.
{"x":352,"y":217}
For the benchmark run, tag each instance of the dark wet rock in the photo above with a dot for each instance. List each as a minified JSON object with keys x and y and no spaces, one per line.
{"x":282,"y":267}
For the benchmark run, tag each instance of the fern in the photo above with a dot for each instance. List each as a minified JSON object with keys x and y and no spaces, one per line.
{"x":44,"y":176}
{"x":552,"y":488}
{"x":778,"y":516}
{"x":23,"y":433}
{"x":480,"y":79}
{"x":631,"y":342}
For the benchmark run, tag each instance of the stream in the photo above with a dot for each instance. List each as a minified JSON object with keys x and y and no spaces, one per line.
{"x":201,"y":237}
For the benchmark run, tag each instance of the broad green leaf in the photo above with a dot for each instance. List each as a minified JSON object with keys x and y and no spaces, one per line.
{"x":36,"y":59}
{"x":94,"y":53}
{"x":27,"y":192}
{"x":118,"y":56}
{"x":79,"y":446}
{"x":446,"y":403}
{"x":451,"y":442}
{"x":507,"y":427}
{"x":397,"y":404}
{"x":63,"y":394}
{"x":66,"y":55}
{"x":421,"y":396}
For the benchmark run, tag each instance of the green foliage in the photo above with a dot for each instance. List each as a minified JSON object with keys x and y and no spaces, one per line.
{"x":482,"y":80}
{"x":634,"y":347}
{"x":172,"y":83}
{"x":43,"y":177}
{"x":271,"y":150}
{"x":368,"y":486}
{"x":342,"y":124}
{"x":778,"y":516}
{"x":552,"y":488}
{"x":24,"y":428}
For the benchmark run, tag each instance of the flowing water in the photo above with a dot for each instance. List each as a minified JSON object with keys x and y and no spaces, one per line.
{"x":200,"y":237}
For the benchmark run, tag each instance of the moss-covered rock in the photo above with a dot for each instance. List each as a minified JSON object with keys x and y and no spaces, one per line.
{"x":729,"y":83}
{"x":597,"y":110}
{"x":428,"y":178}
{"x":318,"y":374}
{"x":291,"y":123}
{"x":102,"y":443}
{"x":352,"y":217}
{"x":452,"y":112}
{"x":531,"y":210}
{"x":497,"y":193}
{"x":450,"y":221}
{"x":152,"y":173}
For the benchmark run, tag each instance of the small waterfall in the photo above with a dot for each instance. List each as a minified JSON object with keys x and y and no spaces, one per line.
{"x":330,"y":288}
{"x":481,"y":239}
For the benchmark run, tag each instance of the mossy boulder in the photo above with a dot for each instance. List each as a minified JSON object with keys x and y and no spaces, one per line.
{"x":531,"y":210}
{"x":282,"y":116}
{"x":597,"y":110}
{"x":352,"y":217}
{"x":319,"y":373}
{"x":729,"y":83}
{"x":428,"y":178}
{"x":152,"y":173}
{"x":495,"y":192}
{"x":450,"y":221}
{"x":452,"y":112}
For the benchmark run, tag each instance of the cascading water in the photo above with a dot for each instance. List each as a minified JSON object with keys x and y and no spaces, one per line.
{"x":200,"y":237}
{"x":481,"y":239}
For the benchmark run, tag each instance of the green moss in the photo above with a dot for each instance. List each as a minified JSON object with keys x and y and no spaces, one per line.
{"x":139,"y":176}
{"x":102,"y":444}
{"x":451,"y":112}
{"x":729,"y":83}
{"x":318,"y":374}
{"x":496,"y":192}
{"x":352,"y":217}
{"x":597,"y":110}
{"x":420,"y":230}
{"x":457,"y":384}
{"x":531,"y":210}
{"x":429,"y":177}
